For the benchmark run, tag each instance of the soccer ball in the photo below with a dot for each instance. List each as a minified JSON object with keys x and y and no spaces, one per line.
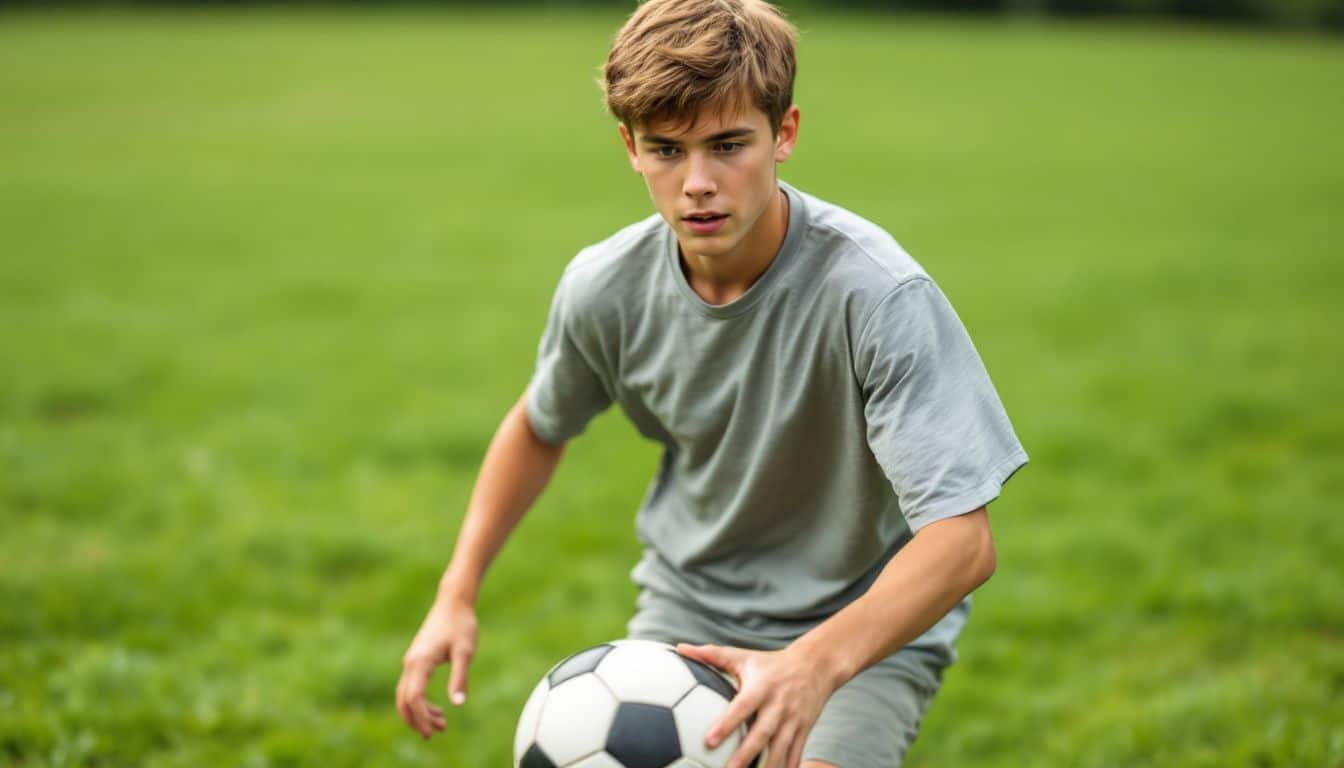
{"x":625,"y":704}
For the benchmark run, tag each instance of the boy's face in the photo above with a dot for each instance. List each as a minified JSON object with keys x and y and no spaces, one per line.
{"x":712,"y":180}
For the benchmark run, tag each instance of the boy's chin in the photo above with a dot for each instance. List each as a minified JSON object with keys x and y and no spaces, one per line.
{"x":705,"y":246}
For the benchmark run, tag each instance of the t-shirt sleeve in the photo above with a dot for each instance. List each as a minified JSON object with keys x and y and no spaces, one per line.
{"x":567,"y":389}
{"x":934,"y":422}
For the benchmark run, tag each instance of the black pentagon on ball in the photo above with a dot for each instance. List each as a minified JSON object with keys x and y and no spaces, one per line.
{"x":535,"y":758}
{"x":578,"y":664}
{"x":706,"y":676}
{"x":643,"y":736}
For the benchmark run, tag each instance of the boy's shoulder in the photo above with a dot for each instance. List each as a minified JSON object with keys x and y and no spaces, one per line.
{"x":628,"y":250}
{"x":598,"y":279}
{"x":861,"y":254}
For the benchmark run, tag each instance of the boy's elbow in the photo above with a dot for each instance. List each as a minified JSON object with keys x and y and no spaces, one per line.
{"x":985,"y":559}
{"x":987,"y":562}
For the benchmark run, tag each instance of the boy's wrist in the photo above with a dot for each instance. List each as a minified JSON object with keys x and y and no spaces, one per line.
{"x":827,"y":657}
{"x":456,"y":588}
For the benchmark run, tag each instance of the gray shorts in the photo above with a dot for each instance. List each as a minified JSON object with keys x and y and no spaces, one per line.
{"x":870,"y":722}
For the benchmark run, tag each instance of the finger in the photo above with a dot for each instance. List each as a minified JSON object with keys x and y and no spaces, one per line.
{"x":401,"y":700}
{"x":457,"y":680}
{"x":714,"y":655}
{"x":417,"y":676}
{"x":404,"y":704}
{"x":423,"y":716}
{"x":757,"y":738}
{"x":727,"y":660}
{"x":741,"y":708}
{"x":796,"y":754}
{"x":779,"y":748}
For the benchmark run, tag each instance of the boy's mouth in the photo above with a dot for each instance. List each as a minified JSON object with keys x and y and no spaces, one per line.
{"x":704,"y":222}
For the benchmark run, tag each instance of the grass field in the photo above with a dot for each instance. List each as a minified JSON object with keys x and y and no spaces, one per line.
{"x":268,"y":281}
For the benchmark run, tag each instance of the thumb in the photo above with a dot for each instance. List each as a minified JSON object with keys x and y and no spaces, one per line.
{"x":457,"y":679}
{"x":714,"y":655}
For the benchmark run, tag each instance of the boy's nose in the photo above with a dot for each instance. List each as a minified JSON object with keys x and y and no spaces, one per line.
{"x":698,"y":182}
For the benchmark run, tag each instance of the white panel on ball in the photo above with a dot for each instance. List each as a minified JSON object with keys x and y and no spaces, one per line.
{"x":575,"y":720}
{"x":694,"y":715}
{"x":644,"y":672}
{"x":527,"y":724}
{"x":600,"y":760}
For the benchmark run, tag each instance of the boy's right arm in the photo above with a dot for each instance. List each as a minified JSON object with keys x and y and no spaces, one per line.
{"x":516,"y":468}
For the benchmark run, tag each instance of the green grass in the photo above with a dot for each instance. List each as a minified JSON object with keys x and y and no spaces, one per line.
{"x":268,"y":280}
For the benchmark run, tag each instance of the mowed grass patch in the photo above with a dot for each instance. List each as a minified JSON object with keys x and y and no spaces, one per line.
{"x":270,"y":279}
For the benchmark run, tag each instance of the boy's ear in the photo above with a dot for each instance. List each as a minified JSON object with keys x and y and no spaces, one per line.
{"x":787,"y":137}
{"x":630,"y":147}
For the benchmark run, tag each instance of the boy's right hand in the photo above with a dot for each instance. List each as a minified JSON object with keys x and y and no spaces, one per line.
{"x":448,"y":635}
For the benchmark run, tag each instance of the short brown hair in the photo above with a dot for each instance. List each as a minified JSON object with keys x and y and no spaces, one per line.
{"x":673,"y":58}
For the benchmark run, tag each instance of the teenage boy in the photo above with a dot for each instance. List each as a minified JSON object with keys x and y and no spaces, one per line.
{"x":831,"y":436}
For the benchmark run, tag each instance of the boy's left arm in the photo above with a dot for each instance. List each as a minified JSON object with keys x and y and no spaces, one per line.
{"x":786,"y":689}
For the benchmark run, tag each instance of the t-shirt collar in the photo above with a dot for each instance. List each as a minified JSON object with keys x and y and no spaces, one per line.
{"x":738,"y":306}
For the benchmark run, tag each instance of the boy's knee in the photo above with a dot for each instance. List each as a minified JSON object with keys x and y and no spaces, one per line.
{"x":817,"y":764}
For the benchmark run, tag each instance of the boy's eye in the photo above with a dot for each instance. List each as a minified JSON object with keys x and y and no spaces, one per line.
{"x":729,"y":146}
{"x":665,"y":150}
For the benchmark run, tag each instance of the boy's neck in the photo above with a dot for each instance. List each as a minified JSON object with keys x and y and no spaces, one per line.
{"x":724,"y":278}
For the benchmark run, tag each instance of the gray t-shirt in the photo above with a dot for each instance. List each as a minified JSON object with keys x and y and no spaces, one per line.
{"x":809,"y":427}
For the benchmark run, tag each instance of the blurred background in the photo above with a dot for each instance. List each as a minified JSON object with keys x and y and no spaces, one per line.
{"x":271,"y":274}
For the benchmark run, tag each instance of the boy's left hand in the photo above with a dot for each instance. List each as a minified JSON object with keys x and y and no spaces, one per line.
{"x":785,"y":692}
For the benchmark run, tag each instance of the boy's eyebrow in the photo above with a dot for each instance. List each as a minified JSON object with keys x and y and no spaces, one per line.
{"x":734,"y":133}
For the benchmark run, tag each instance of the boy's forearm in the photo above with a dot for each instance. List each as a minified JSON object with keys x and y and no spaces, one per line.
{"x":932,"y":573}
{"x":516,"y":468}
